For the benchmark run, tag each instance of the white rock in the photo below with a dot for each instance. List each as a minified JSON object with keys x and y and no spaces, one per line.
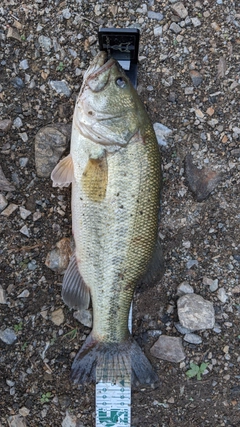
{"x":57,"y":316}
{"x":71,"y":420}
{"x":161,"y":132}
{"x":222,"y":296}
{"x":84,"y":317}
{"x":180,"y":10}
{"x":158,"y":31}
{"x":184,"y":288}
{"x":24,"y":411}
{"x":195,"y":312}
{"x":24,"y":213}
{"x":24,"y":294}
{"x":23,"y":136}
{"x":24,"y":64}
{"x":168,"y":348}
{"x":18,"y":122}
{"x":3,"y":299}
{"x":3,"y":202}
{"x":10,"y":209}
{"x":192,"y":338}
{"x":196,"y":22}
{"x":24,"y":230}
{"x":16,"y":421}
{"x":8,"y":336}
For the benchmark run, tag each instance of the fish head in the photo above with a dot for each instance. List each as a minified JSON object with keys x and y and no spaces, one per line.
{"x":108,"y":109}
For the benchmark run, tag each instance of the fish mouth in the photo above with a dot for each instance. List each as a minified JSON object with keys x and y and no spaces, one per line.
{"x":99,"y":65}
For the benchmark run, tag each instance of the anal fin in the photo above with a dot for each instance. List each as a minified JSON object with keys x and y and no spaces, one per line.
{"x":75,"y":293}
{"x":62,"y":175}
{"x":156,"y":269}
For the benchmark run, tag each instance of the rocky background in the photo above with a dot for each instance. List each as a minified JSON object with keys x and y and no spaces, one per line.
{"x":188,"y":325}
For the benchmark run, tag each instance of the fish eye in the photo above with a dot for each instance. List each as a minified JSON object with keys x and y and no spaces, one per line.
{"x":120,"y":82}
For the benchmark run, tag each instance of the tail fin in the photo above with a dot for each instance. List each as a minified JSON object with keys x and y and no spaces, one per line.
{"x":112,"y":361}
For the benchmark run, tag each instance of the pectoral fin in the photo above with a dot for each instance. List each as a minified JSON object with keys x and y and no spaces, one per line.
{"x":62,"y":175}
{"x":95,"y":178}
{"x":75,"y":293}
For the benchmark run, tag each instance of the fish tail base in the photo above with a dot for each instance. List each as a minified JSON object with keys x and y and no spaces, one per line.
{"x":112,"y":362}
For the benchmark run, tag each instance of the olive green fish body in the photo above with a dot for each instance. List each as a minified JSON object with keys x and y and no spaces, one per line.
{"x":115,"y":174}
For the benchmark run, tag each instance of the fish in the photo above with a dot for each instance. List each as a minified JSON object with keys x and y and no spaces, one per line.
{"x":114,"y":167}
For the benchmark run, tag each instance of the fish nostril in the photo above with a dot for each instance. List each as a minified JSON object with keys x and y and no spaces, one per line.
{"x":90,"y":113}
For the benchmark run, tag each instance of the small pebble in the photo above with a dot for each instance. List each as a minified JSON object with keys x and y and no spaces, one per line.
{"x":161,"y":132}
{"x":8,"y":336}
{"x":184,"y":288}
{"x":23,"y":161}
{"x":175,"y":28}
{"x":191,"y":263}
{"x":45,"y":43}
{"x":192,"y":338}
{"x":57,"y":317}
{"x":168,"y":348}
{"x":3,"y":299}
{"x":3,"y":202}
{"x":24,"y":230}
{"x":10,"y":209}
{"x":24,"y":294}
{"x":18,"y":122}
{"x":24,"y":411}
{"x":196,"y":22}
{"x":37,"y":216}
{"x":61,"y":87}
{"x":24,"y":213}
{"x":18,"y":83}
{"x":222,"y":296}
{"x":196,"y":77}
{"x":158,"y":31}
{"x":23,"y":136}
{"x":66,"y":13}
{"x":180,"y":10}
{"x":84,"y":317}
{"x":181,"y":329}
{"x":24,"y":64}
{"x":32,"y":265}
{"x":155,"y":15}
{"x":5,"y":125}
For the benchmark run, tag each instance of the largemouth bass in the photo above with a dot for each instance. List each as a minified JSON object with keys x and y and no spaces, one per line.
{"x":114,"y":168}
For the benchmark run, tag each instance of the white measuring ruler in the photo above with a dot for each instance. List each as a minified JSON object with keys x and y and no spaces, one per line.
{"x":113,"y":401}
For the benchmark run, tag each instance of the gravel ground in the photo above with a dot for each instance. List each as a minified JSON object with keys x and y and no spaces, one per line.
{"x":189,"y":80}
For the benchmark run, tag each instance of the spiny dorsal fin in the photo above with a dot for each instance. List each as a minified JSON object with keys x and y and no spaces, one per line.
{"x":62,"y":174}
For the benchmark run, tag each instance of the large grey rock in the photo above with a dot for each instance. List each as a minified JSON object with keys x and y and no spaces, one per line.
{"x":195,"y":312}
{"x":168,"y":348}
{"x":50,"y":144}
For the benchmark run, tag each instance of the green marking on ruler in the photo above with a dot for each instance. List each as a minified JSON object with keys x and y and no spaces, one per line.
{"x":112,"y":417}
